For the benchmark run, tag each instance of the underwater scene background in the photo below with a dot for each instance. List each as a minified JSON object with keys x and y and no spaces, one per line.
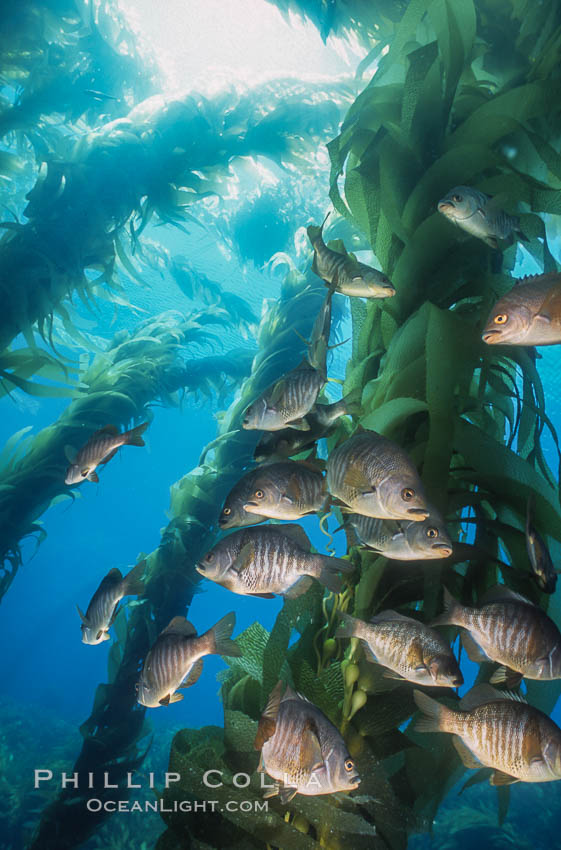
{"x":165,"y":169}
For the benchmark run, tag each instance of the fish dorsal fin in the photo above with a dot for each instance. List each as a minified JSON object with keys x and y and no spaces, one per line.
{"x":83,"y":617}
{"x":548,"y":277}
{"x":71,"y":454}
{"x":107,"y":431}
{"x":180,"y":626}
{"x":268,"y":720}
{"x":358,"y":480}
{"x":314,"y":464}
{"x":502,"y":593}
{"x":311,"y":758}
{"x":392,"y":616}
{"x":482,"y":694}
{"x":297,"y":534}
{"x":114,"y":573}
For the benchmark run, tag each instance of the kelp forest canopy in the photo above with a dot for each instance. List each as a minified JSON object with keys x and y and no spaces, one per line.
{"x":450,"y":92}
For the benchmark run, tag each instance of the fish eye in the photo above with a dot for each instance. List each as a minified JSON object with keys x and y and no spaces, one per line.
{"x":259,"y":494}
{"x":457,"y":199}
{"x":432,"y":532}
{"x":407,"y":494}
{"x":227,"y":511}
{"x":137,"y":687}
{"x":500,"y":318}
{"x":349,"y":765}
{"x":209,"y":556}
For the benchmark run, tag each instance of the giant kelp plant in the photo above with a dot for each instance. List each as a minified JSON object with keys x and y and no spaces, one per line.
{"x":466,"y":93}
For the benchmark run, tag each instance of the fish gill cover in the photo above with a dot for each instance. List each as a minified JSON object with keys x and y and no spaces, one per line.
{"x":461,"y":95}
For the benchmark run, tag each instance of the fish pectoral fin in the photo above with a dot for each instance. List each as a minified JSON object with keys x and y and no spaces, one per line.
{"x":169,"y":698}
{"x":286,"y":793}
{"x":268,"y":720}
{"x":244,"y":559}
{"x":311,"y":758}
{"x":500,"y":778}
{"x":543,"y":317}
{"x":299,"y":587}
{"x":193,"y":675}
{"x":391,"y":674}
{"x":278,"y":391}
{"x":83,"y":617}
{"x":369,"y":654}
{"x":93,"y":476}
{"x":505,"y":676}
{"x":474,"y":652}
{"x":491,"y":241}
{"x":300,"y":424}
{"x":357,"y":479}
{"x":466,"y":755}
{"x":71,"y":454}
{"x":271,"y":791}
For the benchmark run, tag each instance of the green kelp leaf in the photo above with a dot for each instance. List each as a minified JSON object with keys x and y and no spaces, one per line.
{"x":252,"y":643}
{"x":358,"y":317}
{"x":392,"y":414}
{"x":239,"y":731}
{"x":454,"y":24}
{"x":326,"y":690}
{"x":500,"y":470}
{"x":274,"y":654}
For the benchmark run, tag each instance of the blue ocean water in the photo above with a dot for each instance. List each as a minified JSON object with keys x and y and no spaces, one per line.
{"x":48,"y":675}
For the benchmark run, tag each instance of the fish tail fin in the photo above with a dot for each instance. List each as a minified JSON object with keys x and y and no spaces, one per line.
{"x":219,"y":637}
{"x":451,"y":616}
{"x":434,"y":716}
{"x":314,"y":232}
{"x":348,"y":627}
{"x":134,"y":436}
{"x":327,"y":572}
{"x":352,"y":402}
{"x":133,"y":584}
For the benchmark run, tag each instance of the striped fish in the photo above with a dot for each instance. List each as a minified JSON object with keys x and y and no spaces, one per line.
{"x":345,"y":274}
{"x":100,"y":448}
{"x":375,"y":477}
{"x":301,"y":749}
{"x":102,"y":610}
{"x":499,"y":730}
{"x":321,"y":420}
{"x":270,"y":559}
{"x":528,"y":314}
{"x":287,"y":490}
{"x":510,"y":630}
{"x":403,"y":540}
{"x":176,"y":659}
{"x":286,"y":402}
{"x":408,"y":648}
{"x":478,"y":214}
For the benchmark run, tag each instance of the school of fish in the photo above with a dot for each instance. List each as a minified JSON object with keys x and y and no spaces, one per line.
{"x":374,"y":485}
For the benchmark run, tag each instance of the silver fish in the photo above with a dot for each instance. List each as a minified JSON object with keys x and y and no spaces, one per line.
{"x":375,"y":477}
{"x":301,"y":749}
{"x":287,"y":401}
{"x":476,"y":213}
{"x":530,"y":314}
{"x":509,"y":630}
{"x":344,"y":273}
{"x":233,"y":514}
{"x":287,"y":490}
{"x":102,"y":610}
{"x":269,"y":559}
{"x":176,"y":659}
{"x":100,"y":448}
{"x":404,"y":540}
{"x":408,"y":648}
{"x":499,"y":730}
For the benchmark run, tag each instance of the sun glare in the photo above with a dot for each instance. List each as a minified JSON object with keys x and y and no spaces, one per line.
{"x":247,"y":39}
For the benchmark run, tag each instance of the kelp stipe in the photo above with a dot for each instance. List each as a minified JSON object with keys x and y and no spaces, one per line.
{"x":115,"y":734}
{"x":157,"y":362}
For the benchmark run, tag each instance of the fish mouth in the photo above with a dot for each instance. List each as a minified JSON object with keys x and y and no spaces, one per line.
{"x":444,"y":206}
{"x":251,"y":507}
{"x":200,"y":569}
{"x":418,"y":513}
{"x":491,"y":337}
{"x":443,"y":549}
{"x":390,"y":290}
